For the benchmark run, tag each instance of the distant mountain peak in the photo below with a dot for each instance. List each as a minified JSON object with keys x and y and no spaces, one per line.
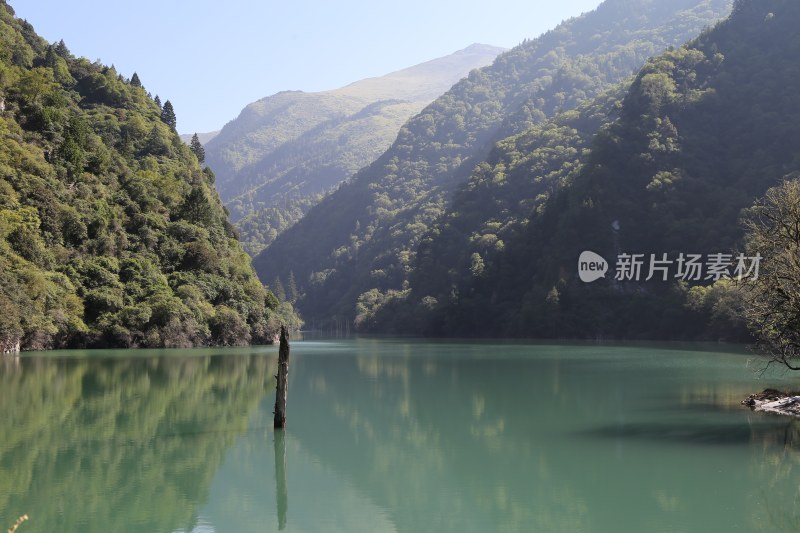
{"x":425,"y":81}
{"x":481,"y":48}
{"x":287,"y":149}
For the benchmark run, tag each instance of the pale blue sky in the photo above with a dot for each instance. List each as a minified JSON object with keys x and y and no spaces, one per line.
{"x":212,"y":58}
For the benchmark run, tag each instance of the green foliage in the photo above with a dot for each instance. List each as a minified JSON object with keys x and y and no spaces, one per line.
{"x":229,"y":328}
{"x":302,"y":149}
{"x":495,"y":204}
{"x":771,"y":303}
{"x":278,"y":289}
{"x":197,"y":149}
{"x":110,"y":232}
{"x":261,"y":227}
{"x":702,"y":131}
{"x":722,"y":303}
{"x":168,"y":115}
{"x":367,"y":234}
{"x":197,"y":208}
{"x":159,"y":142}
{"x":283,"y":153}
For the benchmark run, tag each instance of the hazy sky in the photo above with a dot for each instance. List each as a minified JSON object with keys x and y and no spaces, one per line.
{"x":212,"y":58}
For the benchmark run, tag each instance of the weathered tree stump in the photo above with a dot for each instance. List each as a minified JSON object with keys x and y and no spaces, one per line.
{"x":282,"y":381}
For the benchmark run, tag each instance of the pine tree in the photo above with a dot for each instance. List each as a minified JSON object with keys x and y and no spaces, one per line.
{"x":291,"y":288}
{"x":198,"y":149}
{"x":278,"y":290}
{"x":196,"y":207}
{"x":62,"y":50}
{"x":157,"y":100}
{"x":135,"y":80}
{"x":168,"y":115}
{"x":50,"y":56}
{"x":157,"y":142}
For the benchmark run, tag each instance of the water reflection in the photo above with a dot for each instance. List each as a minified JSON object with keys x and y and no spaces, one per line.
{"x":776,"y":464}
{"x":119,"y":444}
{"x":601,"y":441}
{"x":678,"y":432}
{"x":281,"y":491}
{"x":394,"y":436}
{"x":444,"y":444}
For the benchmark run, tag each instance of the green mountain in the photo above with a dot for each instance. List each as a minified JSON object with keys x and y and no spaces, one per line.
{"x":488,"y":210}
{"x":283,"y":152}
{"x":358,"y":247}
{"x":111,"y":234}
{"x":701,"y":132}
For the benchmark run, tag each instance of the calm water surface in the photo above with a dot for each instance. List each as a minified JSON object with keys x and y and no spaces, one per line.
{"x":396,"y":436}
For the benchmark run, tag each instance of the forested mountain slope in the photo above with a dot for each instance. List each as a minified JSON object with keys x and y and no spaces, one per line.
{"x":283,"y":152}
{"x":702,"y":132}
{"x":360,"y":242}
{"x":489,"y":211}
{"x":111,"y":234}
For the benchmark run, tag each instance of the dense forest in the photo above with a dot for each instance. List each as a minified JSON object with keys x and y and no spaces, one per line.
{"x":605,"y":134}
{"x":495,"y":204}
{"x":357,"y":249}
{"x":701,"y":133}
{"x":111,"y":232}
{"x":282,"y":153}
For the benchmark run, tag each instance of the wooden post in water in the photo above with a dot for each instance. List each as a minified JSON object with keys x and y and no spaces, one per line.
{"x":281,"y":490}
{"x":281,"y":394}
{"x":282,"y":381}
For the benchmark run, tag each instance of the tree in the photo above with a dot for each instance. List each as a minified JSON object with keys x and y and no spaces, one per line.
{"x":109,"y":235}
{"x":168,"y":115}
{"x":278,"y":290}
{"x":157,"y":100}
{"x":229,"y":328}
{"x":476,"y":264}
{"x":10,"y":329}
{"x":291,"y":289}
{"x":157,"y":142}
{"x":135,"y":81}
{"x":198,"y":149}
{"x":772,"y":300}
{"x":62,"y":50}
{"x":196,"y":208}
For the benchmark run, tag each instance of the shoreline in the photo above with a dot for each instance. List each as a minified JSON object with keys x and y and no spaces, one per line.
{"x":775,"y":402}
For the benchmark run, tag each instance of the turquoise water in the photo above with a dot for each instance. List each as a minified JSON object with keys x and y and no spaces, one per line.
{"x":397,"y":436}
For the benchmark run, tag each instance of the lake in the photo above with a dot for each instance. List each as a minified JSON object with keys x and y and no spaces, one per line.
{"x":397,"y":435}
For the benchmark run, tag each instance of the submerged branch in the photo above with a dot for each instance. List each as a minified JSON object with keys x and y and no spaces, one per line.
{"x":19,"y":521}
